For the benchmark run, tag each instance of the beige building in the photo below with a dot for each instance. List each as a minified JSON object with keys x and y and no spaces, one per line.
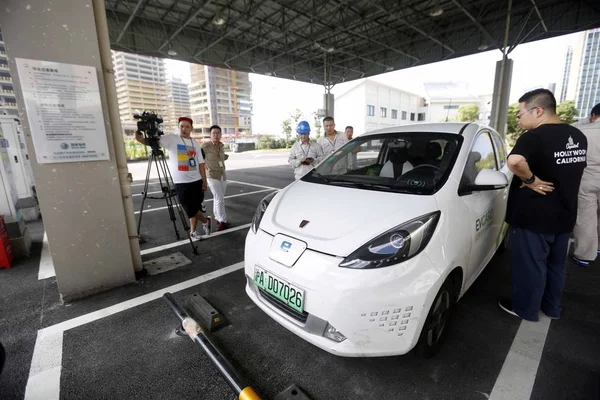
{"x":141,"y":86}
{"x":220,"y":97}
{"x":178,"y":103}
{"x":8,"y":101}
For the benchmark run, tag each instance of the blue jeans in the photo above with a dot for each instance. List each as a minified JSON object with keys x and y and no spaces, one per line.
{"x":538,"y":263}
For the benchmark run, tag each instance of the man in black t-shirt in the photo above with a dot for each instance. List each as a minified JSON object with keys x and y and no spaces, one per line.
{"x":548,"y":162}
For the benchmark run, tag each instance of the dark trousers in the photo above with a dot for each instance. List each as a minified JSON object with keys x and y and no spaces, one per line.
{"x":538,"y":272}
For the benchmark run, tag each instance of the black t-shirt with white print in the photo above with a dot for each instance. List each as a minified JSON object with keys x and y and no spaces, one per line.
{"x":555,"y":153}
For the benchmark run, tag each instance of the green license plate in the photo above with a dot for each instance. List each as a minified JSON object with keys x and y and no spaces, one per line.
{"x":277,"y":287}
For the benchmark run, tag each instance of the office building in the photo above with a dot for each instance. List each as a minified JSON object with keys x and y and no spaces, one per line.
{"x":371,"y":105}
{"x":8,"y":101}
{"x":141,"y":86}
{"x":588,"y":82}
{"x":178,"y":102}
{"x":446,"y":98}
{"x":220,"y":97}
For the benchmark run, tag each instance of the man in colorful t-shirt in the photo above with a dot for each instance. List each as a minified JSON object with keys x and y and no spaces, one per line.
{"x":186,"y":165}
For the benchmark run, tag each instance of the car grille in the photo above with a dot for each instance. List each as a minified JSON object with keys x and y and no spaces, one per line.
{"x":281,"y":306}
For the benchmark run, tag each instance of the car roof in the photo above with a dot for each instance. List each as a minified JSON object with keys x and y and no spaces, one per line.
{"x":442,"y":127}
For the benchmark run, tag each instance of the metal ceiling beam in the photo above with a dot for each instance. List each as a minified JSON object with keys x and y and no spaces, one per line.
{"x":344,"y":30}
{"x":186,"y":23}
{"x":138,"y":7}
{"x":537,"y":10}
{"x":487,"y":34}
{"x":418,"y":30}
{"x":231,"y":31}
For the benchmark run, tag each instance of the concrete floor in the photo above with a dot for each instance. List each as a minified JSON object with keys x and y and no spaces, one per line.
{"x":134,"y":353}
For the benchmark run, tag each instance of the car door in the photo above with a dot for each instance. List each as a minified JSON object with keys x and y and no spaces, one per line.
{"x":499,"y":226}
{"x":481,"y":205}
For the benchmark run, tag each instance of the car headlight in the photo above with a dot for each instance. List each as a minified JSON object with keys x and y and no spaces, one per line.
{"x":396,"y":245}
{"x":260,"y":211}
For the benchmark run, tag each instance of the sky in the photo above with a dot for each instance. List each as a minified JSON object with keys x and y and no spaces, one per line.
{"x":535,"y":64}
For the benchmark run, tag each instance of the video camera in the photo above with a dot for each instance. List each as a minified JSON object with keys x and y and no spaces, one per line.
{"x":149,"y":124}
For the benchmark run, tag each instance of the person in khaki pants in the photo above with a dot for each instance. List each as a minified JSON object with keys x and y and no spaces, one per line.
{"x":587,"y":228}
{"x":214,"y":157}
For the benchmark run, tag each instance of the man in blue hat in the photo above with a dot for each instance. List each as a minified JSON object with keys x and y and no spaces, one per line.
{"x":305,"y":153}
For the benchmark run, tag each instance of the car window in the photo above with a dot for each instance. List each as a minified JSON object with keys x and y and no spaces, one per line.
{"x":500,"y":149}
{"x":480,"y":157}
{"x":412,"y":162}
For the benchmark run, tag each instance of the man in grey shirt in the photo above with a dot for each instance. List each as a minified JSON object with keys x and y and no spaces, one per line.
{"x":587,"y":228}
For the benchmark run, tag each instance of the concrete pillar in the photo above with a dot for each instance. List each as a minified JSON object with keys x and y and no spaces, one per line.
{"x":81,"y":202}
{"x":502,"y":81}
{"x":328,"y":104}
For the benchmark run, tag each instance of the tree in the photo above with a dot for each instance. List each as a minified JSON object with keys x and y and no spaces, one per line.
{"x":296,"y":115}
{"x":286,"y":126}
{"x":567,"y":111}
{"x":468,"y":113}
{"x":318,"y":124}
{"x":513,"y":130}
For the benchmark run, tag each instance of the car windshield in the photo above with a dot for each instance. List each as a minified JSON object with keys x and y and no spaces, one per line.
{"x":415,"y":162}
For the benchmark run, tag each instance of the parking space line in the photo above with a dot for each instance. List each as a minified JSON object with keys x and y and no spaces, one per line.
{"x":186,"y":241}
{"x":209,"y":200}
{"x":46,"y":363}
{"x":253,"y":184}
{"x":520,"y":367}
{"x":46,"y":269}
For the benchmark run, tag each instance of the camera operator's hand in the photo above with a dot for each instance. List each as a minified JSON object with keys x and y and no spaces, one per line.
{"x":139,"y":137}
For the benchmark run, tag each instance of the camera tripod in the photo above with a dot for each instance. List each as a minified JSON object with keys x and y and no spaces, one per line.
{"x":157,"y":156}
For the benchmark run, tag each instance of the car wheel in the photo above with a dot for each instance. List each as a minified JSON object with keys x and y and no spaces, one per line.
{"x":437,"y":323}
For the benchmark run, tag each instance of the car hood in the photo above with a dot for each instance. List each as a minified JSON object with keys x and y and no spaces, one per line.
{"x":340,"y":219}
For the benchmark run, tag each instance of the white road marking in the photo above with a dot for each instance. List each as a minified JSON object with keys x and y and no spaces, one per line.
{"x":186,"y":241}
{"x":46,"y":269}
{"x":228,"y":181}
{"x":46,"y":364}
{"x":209,"y":200}
{"x":253,"y":184}
{"x":518,"y":373}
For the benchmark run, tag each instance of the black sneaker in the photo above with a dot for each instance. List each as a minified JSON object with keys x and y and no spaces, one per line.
{"x":506,"y":305}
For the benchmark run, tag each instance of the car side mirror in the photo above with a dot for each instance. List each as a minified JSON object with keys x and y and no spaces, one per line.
{"x":488,"y":179}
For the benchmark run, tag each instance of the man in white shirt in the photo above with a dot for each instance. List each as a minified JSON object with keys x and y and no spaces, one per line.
{"x":305,"y":153}
{"x":587,"y":227}
{"x":332,"y":141}
{"x":352,"y":156}
{"x":186,"y":165}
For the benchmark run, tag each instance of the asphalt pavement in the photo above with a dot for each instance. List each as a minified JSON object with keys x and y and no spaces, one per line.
{"x":121,"y":343}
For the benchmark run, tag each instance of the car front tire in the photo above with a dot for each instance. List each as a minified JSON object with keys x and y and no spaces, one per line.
{"x":437,"y":323}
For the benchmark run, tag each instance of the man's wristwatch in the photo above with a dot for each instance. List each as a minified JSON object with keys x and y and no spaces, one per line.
{"x":530,"y":180}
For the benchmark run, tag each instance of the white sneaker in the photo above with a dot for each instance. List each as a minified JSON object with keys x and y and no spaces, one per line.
{"x":207,"y":226}
{"x":196,"y":235}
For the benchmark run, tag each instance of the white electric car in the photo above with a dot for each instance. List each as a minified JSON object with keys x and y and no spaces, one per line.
{"x":370,"y":261}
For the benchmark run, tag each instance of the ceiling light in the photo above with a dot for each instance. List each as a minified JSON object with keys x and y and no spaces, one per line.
{"x":327,"y":48}
{"x":436,"y":12}
{"x":483,"y":47}
{"x":172,"y":52}
{"x":268,"y":73}
{"x":218,"y":20}
{"x":388,"y":69}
